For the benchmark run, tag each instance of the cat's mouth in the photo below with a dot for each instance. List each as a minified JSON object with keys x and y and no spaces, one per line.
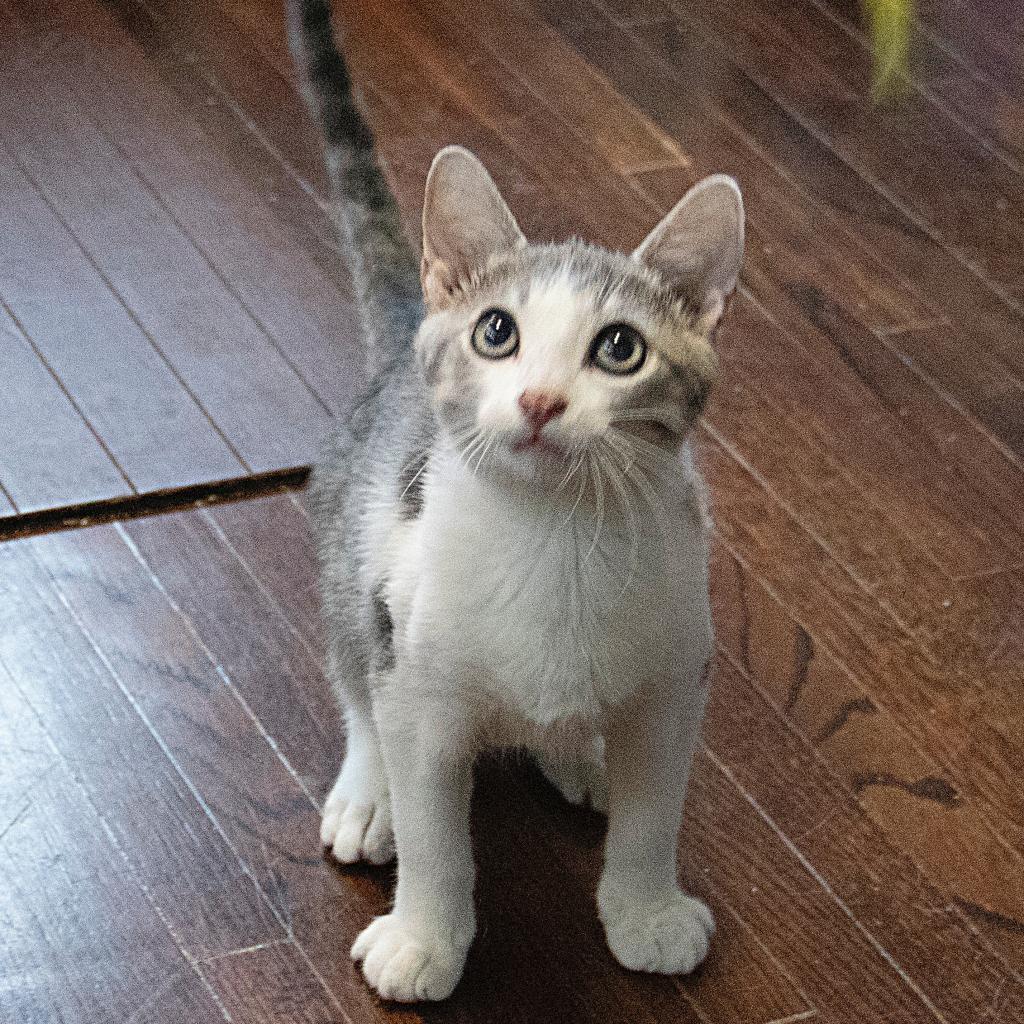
{"x":538,"y":443}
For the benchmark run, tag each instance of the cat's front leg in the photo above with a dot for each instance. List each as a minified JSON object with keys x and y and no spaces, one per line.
{"x":418,"y":951}
{"x":650,"y":923}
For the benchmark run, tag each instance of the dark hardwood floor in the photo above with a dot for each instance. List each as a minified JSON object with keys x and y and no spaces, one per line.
{"x":176,"y":329}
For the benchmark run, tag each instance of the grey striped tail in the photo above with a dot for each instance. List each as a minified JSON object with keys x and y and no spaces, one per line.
{"x":385,"y":266}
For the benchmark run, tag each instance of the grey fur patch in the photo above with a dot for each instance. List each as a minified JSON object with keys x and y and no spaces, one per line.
{"x":613,"y":277}
{"x":410,"y":483}
{"x":385,"y":266}
{"x":384,"y":632}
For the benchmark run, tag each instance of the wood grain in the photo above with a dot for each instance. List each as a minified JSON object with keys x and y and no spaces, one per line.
{"x":133,"y":779}
{"x":177,"y":314}
{"x":795,"y":139}
{"x":49,"y":449}
{"x":152,"y":427}
{"x":220,"y":353}
{"x":261,"y":257}
{"x":76,"y":922}
{"x":912,"y":150}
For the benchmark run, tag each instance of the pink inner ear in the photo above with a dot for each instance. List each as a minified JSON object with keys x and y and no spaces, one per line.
{"x":465,"y":222}
{"x":698,"y":246}
{"x":436,"y":285}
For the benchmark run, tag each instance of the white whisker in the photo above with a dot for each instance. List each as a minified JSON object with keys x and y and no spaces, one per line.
{"x":599,"y":494}
{"x":583,"y":486}
{"x":619,"y":483}
{"x":466,"y":453}
{"x":571,"y":472}
{"x":491,"y":439}
{"x":416,"y":476}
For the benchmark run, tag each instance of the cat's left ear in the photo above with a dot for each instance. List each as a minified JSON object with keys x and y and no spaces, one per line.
{"x":465,"y":222}
{"x":698,"y":246}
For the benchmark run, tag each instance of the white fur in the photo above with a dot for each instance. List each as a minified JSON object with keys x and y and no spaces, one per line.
{"x":513,"y":626}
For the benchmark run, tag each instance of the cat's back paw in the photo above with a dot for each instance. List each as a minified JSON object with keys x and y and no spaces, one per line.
{"x":581,"y":780}
{"x":408,"y":964}
{"x":356,"y":825}
{"x":667,"y":936}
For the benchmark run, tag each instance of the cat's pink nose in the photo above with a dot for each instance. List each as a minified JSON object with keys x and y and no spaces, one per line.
{"x":540,"y":407}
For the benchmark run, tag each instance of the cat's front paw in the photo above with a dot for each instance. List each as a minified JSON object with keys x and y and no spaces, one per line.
{"x":406,"y":963}
{"x":670,"y":935}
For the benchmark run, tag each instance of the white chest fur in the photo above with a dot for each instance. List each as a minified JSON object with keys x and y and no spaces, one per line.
{"x":535,"y":606}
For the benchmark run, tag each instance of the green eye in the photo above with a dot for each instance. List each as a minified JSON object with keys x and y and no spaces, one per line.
{"x":618,"y":349}
{"x":496,"y":335}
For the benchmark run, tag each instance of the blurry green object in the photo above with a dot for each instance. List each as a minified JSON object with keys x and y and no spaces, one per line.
{"x":889,"y":23}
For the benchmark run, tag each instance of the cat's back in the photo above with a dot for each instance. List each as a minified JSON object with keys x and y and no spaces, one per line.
{"x":366,"y":453}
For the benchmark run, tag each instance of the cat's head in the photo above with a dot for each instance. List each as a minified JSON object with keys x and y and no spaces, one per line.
{"x":536,"y":355}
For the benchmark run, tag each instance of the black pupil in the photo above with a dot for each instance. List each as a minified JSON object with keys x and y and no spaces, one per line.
{"x":498,"y":331}
{"x":618,"y":346}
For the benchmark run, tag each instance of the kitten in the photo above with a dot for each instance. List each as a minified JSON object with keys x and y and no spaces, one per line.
{"x":513,"y":539}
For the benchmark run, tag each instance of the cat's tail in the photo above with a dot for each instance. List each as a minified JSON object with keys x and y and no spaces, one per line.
{"x":385,"y":266}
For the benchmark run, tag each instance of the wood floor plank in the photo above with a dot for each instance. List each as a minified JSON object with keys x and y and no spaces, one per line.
{"x":631,"y":12}
{"x":191,"y":876}
{"x":988,"y":107}
{"x":894,"y":779}
{"x":910,"y":148}
{"x":147,"y":420}
{"x":49,"y":450}
{"x":183,"y":550}
{"x":223,"y":53}
{"x":273,"y":539}
{"x":220,"y":752}
{"x":272,"y":983}
{"x":837,"y":119}
{"x":792,"y":230}
{"x":986,"y":36}
{"x":894,"y":671}
{"x":909,"y":916}
{"x":787,"y":278}
{"x":262,"y":23}
{"x":730,"y":847}
{"x":259,"y":256}
{"x":225,"y":358}
{"x":75,"y":922}
{"x":625,"y":138}
{"x":232,"y":131}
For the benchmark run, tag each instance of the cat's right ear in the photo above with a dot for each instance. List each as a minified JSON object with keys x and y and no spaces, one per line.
{"x":465,"y":222}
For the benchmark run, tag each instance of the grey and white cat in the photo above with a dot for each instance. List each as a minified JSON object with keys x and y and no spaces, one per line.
{"x":513,"y":537}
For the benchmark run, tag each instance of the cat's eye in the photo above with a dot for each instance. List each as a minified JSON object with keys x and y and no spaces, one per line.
{"x":496,"y":335}
{"x":619,"y":349}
